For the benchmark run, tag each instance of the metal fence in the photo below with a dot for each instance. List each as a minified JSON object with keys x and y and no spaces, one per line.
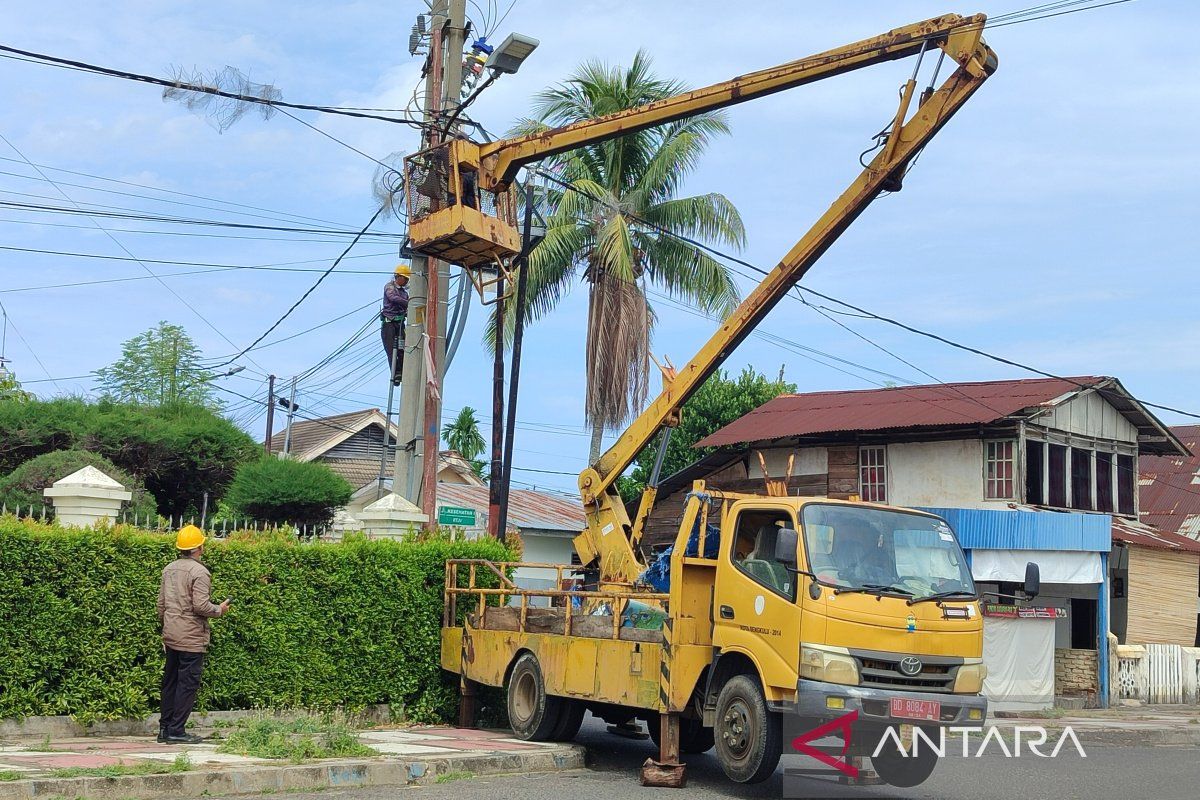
{"x":218,"y":528}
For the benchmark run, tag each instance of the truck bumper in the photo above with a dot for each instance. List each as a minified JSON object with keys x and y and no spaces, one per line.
{"x":874,"y":705}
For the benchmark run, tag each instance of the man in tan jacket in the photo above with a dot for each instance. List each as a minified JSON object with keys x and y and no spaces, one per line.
{"x":184,"y":608}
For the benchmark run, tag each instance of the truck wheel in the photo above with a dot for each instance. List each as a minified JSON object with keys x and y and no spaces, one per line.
{"x":905,"y":770}
{"x":569,"y":720}
{"x":693,"y":736}
{"x":532,"y":713}
{"x":749,"y":739}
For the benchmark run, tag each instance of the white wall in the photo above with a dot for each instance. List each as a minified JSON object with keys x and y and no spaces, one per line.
{"x":809,"y":461}
{"x":1090,"y":415}
{"x":543,"y":548}
{"x":948,"y":474}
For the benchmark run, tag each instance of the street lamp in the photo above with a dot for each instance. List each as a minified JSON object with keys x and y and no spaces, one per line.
{"x":512,"y":52}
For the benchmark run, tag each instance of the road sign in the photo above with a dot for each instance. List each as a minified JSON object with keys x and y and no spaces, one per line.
{"x":456,"y":515}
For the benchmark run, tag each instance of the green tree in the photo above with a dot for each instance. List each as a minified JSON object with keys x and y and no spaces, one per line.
{"x":179,"y":452}
{"x":462,"y":434}
{"x":160,"y":367}
{"x":618,"y":258}
{"x":23,"y":486}
{"x":715,"y":404}
{"x":10,"y":388}
{"x":282,"y":490}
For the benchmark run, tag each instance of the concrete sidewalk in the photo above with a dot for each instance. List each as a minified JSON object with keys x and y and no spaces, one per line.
{"x":138,"y":767}
{"x":1126,"y":725}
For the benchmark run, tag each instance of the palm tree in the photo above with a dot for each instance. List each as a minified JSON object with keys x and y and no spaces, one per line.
{"x":596,"y":233}
{"x":463,"y":435}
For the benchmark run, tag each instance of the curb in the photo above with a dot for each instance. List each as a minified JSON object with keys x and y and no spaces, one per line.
{"x":293,"y":777}
{"x":67,"y":727}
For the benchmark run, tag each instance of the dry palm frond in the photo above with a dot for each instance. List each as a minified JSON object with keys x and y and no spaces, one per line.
{"x":618,"y":348}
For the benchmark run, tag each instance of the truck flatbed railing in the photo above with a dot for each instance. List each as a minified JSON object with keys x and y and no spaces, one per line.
{"x":571,"y":618}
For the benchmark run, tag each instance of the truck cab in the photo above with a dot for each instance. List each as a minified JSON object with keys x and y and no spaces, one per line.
{"x":841,"y":608}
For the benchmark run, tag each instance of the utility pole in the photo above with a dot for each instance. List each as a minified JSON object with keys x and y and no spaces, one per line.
{"x":420,"y":405}
{"x":270,"y":413}
{"x":287,"y":437}
{"x":496,"y":482}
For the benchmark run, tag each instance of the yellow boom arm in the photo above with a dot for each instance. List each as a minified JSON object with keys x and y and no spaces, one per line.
{"x":610,"y":537}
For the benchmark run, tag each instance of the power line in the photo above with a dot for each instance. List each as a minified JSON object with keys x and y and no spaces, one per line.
{"x":142,"y":217}
{"x":56,"y":61}
{"x":9,"y":323}
{"x":118,"y":243}
{"x":310,"y":290}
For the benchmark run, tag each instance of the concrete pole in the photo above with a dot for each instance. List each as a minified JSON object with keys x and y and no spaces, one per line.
{"x":287,"y":436}
{"x":270,"y":413}
{"x":410,"y":448}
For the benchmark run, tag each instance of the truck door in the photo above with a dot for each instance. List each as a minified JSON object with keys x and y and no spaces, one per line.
{"x":755,"y":610}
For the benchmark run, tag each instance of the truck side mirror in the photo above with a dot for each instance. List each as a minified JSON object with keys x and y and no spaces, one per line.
{"x":786,"y":543}
{"x":1033,"y":580}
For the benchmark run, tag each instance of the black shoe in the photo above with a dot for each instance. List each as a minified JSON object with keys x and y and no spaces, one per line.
{"x":162,"y":736}
{"x":183,"y":738}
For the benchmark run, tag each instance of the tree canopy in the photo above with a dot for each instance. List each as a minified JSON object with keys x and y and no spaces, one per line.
{"x":595,"y":230}
{"x":462,"y":434}
{"x":179,"y":452}
{"x":281,"y":490}
{"x":717,"y":403}
{"x":160,"y":367}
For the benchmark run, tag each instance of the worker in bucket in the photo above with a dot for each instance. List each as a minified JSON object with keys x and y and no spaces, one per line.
{"x":395,"y":309}
{"x":184,"y":609}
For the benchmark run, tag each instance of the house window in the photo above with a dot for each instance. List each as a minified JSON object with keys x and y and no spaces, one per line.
{"x":1081,"y":479}
{"x":872,"y":474}
{"x":1035,"y":473}
{"x":999,"y":469}
{"x":1126,"y":484}
{"x":1057,"y":494}
{"x":1104,"y":482}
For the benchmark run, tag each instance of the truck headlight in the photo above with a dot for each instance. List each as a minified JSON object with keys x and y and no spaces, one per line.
{"x":819,"y":664}
{"x":970,"y":679}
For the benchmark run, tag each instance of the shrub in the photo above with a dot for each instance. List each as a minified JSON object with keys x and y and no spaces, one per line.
{"x":179,"y":452}
{"x":24,"y":485}
{"x":315,"y":626}
{"x":281,"y":490}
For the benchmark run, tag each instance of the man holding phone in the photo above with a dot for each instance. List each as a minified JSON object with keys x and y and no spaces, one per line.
{"x":184,"y":609}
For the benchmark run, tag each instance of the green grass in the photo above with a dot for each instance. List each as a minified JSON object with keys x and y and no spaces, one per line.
{"x":300,"y":739}
{"x":10,"y":775}
{"x":453,"y":776}
{"x":181,"y":764}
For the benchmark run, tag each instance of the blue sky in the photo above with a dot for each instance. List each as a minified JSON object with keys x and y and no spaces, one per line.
{"x":1052,"y":221}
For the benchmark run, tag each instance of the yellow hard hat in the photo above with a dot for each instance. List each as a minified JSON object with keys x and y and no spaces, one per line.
{"x":189,"y":538}
{"x":403,"y":270}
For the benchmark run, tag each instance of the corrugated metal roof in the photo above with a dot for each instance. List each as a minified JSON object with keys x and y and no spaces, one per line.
{"x":1139,"y":533}
{"x":1026,"y":528}
{"x":527,"y":508}
{"x":933,"y":405}
{"x":1169,"y":490}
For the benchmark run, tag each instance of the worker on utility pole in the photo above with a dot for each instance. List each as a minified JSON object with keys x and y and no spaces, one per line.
{"x":395,"y":309}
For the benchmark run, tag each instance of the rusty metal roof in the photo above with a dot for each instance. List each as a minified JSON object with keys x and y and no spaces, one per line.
{"x":938,"y":405}
{"x":1139,"y":533}
{"x":527,"y":508}
{"x":1169,"y":487}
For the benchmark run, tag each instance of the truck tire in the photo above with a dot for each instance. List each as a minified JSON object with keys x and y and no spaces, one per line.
{"x":569,"y":719}
{"x":693,"y":736}
{"x":532,"y":714}
{"x":896,"y":768}
{"x":749,"y":737}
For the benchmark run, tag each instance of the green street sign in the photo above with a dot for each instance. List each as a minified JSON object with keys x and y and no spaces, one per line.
{"x":456,"y":515}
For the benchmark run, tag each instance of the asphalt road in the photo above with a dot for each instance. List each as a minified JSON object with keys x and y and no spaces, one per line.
{"x":1107,"y":772}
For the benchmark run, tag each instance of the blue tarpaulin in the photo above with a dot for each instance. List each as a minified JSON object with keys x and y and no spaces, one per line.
{"x":658,"y":574}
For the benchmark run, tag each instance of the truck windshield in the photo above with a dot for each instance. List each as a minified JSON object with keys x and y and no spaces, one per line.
{"x":859,"y":547}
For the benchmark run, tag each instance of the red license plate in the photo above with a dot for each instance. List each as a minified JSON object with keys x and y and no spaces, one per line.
{"x":916,"y":709}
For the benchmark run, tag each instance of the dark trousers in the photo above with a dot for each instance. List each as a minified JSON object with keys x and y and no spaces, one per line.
{"x":181,"y":681}
{"x":393,"y":339}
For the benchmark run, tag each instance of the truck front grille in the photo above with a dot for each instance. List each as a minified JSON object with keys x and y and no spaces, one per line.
{"x":884,"y":673}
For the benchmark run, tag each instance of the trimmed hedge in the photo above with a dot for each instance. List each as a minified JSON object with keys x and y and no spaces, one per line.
{"x":311,"y":626}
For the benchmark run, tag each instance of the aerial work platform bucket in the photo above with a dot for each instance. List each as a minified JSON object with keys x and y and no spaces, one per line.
{"x":450,"y":216}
